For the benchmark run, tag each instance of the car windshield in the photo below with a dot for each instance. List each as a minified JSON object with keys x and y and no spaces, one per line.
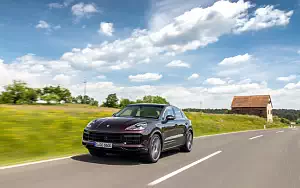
{"x":141,"y":111}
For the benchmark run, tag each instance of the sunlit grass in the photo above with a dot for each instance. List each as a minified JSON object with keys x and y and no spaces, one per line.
{"x":40,"y":131}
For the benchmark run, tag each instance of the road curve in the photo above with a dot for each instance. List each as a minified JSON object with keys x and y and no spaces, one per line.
{"x":260,"y":159}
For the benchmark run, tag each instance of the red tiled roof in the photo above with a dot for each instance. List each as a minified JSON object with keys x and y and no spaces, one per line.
{"x":251,"y":101}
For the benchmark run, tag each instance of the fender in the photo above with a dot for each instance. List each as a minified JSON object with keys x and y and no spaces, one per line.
{"x":157,"y":131}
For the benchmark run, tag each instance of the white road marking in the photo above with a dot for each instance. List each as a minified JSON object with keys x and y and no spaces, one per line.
{"x":256,"y":137}
{"x":182,"y":169}
{"x":279,"y":131}
{"x":31,"y":163}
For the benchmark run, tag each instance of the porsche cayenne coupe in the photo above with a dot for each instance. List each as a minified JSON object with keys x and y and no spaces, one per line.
{"x":145,"y":129}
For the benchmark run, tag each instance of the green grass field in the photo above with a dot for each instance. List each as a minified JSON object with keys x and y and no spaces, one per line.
{"x":33,"y":132}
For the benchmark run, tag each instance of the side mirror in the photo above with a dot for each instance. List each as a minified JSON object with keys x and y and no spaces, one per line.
{"x":114,"y":114}
{"x":170,"y":117}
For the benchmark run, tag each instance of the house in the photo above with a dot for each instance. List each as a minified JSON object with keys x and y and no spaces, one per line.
{"x":259,"y":105}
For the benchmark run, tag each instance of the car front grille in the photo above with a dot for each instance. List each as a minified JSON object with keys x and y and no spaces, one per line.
{"x":113,"y":138}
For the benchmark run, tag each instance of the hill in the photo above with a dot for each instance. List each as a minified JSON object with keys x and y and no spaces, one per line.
{"x":31,"y":132}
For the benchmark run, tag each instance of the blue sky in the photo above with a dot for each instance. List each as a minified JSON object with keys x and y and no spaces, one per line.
{"x":187,"y":51}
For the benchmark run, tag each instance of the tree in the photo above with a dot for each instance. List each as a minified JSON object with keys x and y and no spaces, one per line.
{"x":18,"y":93}
{"x":31,"y":95}
{"x":74,"y":100}
{"x":50,"y":97}
{"x":111,"y":101}
{"x":125,"y":102}
{"x":86,"y":100}
{"x":79,"y":99}
{"x":153,"y":99}
{"x":63,"y":93}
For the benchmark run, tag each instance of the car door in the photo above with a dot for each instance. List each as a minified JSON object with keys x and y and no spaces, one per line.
{"x":169,"y":129}
{"x":180,"y":126}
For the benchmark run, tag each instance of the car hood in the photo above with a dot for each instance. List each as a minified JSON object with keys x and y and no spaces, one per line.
{"x":115,"y":124}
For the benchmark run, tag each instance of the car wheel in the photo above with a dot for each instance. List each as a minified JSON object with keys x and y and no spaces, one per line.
{"x":154,"y":149}
{"x":187,"y":147}
{"x":96,"y":153}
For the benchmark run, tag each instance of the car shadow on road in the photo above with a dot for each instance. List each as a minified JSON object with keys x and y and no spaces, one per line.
{"x":117,"y":159}
{"x":109,"y":159}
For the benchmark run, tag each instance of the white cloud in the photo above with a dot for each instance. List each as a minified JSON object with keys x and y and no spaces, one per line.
{"x":193,"y":29}
{"x":235,"y":88}
{"x":62,"y":79}
{"x":57,"y":27}
{"x":42,"y":25}
{"x":145,"y":61}
{"x":287,"y":78}
{"x":66,"y":3}
{"x":145,"y":77}
{"x":83,"y":10}
{"x":214,"y":81}
{"x":219,"y":96}
{"x":55,"y":5}
{"x":298,"y":51}
{"x":48,"y":27}
{"x":106,"y":28}
{"x":34,"y":70}
{"x":193,"y":76}
{"x":236,"y":60}
{"x":266,"y":17}
{"x":163,"y":11}
{"x":178,"y":63}
{"x":293,"y":86}
{"x":101,"y":77}
{"x":202,"y":26}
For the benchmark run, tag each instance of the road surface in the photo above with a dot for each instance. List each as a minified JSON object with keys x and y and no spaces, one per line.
{"x":256,"y":159}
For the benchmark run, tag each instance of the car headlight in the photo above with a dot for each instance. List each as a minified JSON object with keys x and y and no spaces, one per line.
{"x":90,"y":124}
{"x":137,"y":127}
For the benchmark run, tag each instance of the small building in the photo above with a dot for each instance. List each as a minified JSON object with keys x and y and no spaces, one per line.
{"x":259,"y":105}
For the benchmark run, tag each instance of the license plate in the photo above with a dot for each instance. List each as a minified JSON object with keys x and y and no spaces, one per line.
{"x":103,"y":145}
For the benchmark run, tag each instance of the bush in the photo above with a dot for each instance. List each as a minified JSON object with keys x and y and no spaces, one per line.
{"x":286,"y":121}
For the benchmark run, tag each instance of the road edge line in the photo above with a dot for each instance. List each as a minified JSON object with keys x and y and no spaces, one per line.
{"x":35,"y":162}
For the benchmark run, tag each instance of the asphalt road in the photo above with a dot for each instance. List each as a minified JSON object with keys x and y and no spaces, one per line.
{"x":256,"y":159}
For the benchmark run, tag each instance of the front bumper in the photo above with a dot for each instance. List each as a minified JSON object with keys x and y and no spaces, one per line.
{"x":121,"y":142}
{"x":116,"y":147}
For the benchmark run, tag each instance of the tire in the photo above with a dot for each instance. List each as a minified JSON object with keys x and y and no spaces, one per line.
{"x":155,"y":148}
{"x":96,"y":153}
{"x":187,"y":147}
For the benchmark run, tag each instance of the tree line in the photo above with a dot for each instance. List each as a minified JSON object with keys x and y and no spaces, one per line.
{"x":20,"y":93}
{"x":112,"y":101}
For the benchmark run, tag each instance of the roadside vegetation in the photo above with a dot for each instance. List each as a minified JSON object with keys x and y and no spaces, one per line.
{"x":32,"y":132}
{"x":285,"y":115}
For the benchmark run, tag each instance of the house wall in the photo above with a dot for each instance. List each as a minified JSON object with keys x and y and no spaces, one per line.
{"x":269,"y":113}
{"x":261,"y":112}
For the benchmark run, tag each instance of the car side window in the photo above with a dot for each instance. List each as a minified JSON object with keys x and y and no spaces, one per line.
{"x":178,"y":114}
{"x":168,"y":111}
